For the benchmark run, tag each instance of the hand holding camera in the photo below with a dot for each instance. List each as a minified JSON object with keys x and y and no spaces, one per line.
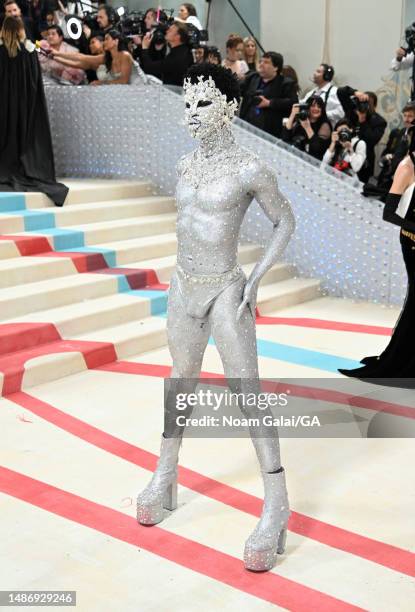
{"x":400,"y":54}
{"x":262,"y":102}
{"x":147,"y":40}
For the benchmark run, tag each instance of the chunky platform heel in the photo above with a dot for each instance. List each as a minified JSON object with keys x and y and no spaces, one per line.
{"x":268,"y":539}
{"x":161,"y":492}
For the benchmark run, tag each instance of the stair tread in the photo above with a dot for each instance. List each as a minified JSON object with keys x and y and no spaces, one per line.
{"x":124,"y":222}
{"x":60,"y":282}
{"x":93,"y":206}
{"x":286,"y":286}
{"x":31,"y":261}
{"x":125,"y":330}
{"x":81,"y":186}
{"x":77,"y":309}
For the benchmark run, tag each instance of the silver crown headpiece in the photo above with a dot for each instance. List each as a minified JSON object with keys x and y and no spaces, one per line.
{"x":206,"y":88}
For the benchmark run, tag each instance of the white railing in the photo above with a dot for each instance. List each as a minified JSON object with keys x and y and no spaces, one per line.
{"x":137,"y":131}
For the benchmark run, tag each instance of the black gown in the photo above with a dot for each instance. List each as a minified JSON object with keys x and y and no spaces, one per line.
{"x":396,"y":365}
{"x":26,"y":154}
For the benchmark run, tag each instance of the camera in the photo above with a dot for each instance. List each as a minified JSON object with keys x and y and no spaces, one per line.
{"x":133,"y":24}
{"x":362,"y":107}
{"x":303,"y":113}
{"x":345,"y":135}
{"x":257,"y":97}
{"x":196,"y":37}
{"x":410,"y":37}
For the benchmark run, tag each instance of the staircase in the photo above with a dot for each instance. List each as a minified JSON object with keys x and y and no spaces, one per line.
{"x":85,"y":285}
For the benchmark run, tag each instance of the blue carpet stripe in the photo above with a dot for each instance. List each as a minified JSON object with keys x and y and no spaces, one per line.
{"x":64,"y":239}
{"x":158,"y":299}
{"x":10,"y":202}
{"x":33,"y":219}
{"x":288,"y":353}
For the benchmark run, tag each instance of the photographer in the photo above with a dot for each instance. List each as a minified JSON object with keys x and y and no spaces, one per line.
{"x":346,"y":153}
{"x":54,"y":43}
{"x":360,"y":109}
{"x":308,"y":128}
{"x":268,"y":96}
{"x":404,"y":58}
{"x":395,"y":151}
{"x":173,"y":67}
{"x":322,"y":78}
{"x":158,"y":47}
{"x":113,"y":66}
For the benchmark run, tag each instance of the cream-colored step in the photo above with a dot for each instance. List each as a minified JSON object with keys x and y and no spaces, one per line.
{"x":37,"y":283}
{"x":91,"y":315}
{"x":95,"y":212}
{"x":22,"y":270}
{"x":132,"y":338}
{"x":128,"y":339}
{"x":124,"y":229}
{"x":52,"y":293}
{"x":82,"y":191}
{"x":286,"y":293}
{"x":279,"y":272}
{"x":138,"y":249}
{"x":8,"y":249}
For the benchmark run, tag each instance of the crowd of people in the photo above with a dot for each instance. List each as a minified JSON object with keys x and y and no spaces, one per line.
{"x":337,"y":125}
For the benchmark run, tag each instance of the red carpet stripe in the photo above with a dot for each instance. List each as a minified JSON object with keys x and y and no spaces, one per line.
{"x":376,"y":330}
{"x":28,"y":245}
{"x":387,"y":555}
{"x":328,"y":395}
{"x":175,"y":548}
{"x":12,"y":365}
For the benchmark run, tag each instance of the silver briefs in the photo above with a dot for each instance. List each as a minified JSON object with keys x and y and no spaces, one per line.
{"x":199,"y":291}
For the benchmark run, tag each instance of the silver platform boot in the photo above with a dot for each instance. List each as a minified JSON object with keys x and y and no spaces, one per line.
{"x":161,"y":491}
{"x":269,"y":536}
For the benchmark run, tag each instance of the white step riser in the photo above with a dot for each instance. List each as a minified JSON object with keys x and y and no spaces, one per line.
{"x":129,"y":231}
{"x":99,"y":193}
{"x":70,"y":217}
{"x":8,"y":250}
{"x":34,"y":273}
{"x":289,"y":299}
{"x":119,"y":211}
{"x":126,"y":313}
{"x":66,"y":364}
{"x":21,"y":306}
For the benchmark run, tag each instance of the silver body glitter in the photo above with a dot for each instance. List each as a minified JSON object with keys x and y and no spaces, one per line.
{"x":210,"y":294}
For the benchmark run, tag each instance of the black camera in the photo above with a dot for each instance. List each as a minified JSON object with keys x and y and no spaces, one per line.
{"x":303,"y":113}
{"x":410,"y":37}
{"x":90,"y":20}
{"x":358,"y":105}
{"x":196,"y":37}
{"x":345,"y":135}
{"x":132,"y":24}
{"x":257,"y":97}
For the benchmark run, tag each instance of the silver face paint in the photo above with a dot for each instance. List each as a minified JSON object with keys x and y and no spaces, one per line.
{"x":206,"y":108}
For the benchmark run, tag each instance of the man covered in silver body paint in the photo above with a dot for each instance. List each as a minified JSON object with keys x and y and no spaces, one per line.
{"x":210,"y":294}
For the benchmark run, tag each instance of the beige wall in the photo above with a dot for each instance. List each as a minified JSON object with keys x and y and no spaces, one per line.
{"x":363,"y":35}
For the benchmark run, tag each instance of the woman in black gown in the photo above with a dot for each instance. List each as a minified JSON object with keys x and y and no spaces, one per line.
{"x":26,"y":154}
{"x":397,"y":362}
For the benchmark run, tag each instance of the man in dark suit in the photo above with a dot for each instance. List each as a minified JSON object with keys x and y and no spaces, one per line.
{"x":172,"y":69}
{"x":268,"y":96}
